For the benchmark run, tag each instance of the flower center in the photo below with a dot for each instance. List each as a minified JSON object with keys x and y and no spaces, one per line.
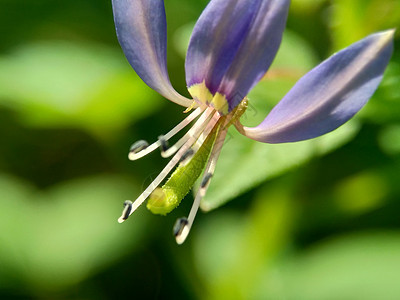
{"x":196,"y":152}
{"x":203,"y":96}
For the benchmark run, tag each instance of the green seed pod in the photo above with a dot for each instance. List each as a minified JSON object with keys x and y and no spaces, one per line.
{"x":163,"y":200}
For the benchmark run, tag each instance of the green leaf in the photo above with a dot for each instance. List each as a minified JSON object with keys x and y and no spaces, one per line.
{"x":305,"y":6}
{"x":232,"y":249}
{"x":357,"y":266}
{"x":384,"y":107}
{"x":53,"y":84}
{"x":363,"y":17}
{"x":59,"y":237}
{"x":389,"y":140}
{"x":181,"y":38}
{"x":256,"y":162}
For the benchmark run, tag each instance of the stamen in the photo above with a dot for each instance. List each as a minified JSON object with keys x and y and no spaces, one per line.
{"x":175,"y":130}
{"x":206,"y":180}
{"x":163,"y":143}
{"x":126,"y":212}
{"x":180,"y":230}
{"x":201,"y":140}
{"x":183,"y":140}
{"x":138,"y":146}
{"x":179,"y":224}
{"x":181,"y":236}
{"x":193,"y":135}
{"x":187,"y":156}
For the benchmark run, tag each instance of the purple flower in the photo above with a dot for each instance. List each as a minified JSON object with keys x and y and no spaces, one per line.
{"x":232,"y":46}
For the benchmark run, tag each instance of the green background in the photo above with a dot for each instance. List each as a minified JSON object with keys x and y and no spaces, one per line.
{"x":310,"y":220}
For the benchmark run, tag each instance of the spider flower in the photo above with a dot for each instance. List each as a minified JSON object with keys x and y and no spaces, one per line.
{"x":232,"y":46}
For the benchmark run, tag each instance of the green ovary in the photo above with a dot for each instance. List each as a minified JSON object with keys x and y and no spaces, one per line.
{"x":163,"y":200}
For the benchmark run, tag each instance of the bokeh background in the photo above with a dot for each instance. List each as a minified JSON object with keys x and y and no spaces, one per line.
{"x":313,"y":220}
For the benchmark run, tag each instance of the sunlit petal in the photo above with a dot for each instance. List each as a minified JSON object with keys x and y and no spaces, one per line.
{"x":216,"y":38}
{"x":329,"y":95}
{"x":232,"y":46}
{"x":142,"y":32}
{"x":257,"y":51}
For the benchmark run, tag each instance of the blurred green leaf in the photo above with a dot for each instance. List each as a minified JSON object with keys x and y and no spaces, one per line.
{"x":361,"y":193}
{"x":57,"y":238}
{"x":245,"y":163}
{"x":355,"y":19}
{"x":389,"y":139}
{"x":217,"y":250}
{"x":59,"y":83}
{"x":181,"y":38}
{"x":294,"y":52}
{"x":233,"y":250}
{"x":358,"y":266}
{"x":305,"y":6}
{"x":384,"y":107}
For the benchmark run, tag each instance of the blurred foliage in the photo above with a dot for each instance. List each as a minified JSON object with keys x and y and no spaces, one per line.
{"x":70,"y":85}
{"x":310,"y":220}
{"x":57,"y":237}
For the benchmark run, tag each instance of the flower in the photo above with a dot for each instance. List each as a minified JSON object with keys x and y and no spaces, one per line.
{"x":232,"y":46}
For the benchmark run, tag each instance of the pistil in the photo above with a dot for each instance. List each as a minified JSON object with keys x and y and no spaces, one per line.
{"x":181,"y":235}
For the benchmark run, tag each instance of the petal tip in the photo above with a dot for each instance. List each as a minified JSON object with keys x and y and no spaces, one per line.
{"x":388,"y":35}
{"x":385,"y":37}
{"x":341,"y":86}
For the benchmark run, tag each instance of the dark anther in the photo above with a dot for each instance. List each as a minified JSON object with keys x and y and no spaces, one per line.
{"x":127,"y":210}
{"x":179,"y":225}
{"x":188,"y":154}
{"x":163,"y":143}
{"x":138,"y":146}
{"x":206,"y":180}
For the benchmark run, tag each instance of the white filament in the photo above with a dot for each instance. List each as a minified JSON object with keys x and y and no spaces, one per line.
{"x":171,"y":133}
{"x":182,"y":141}
{"x":193,"y":135}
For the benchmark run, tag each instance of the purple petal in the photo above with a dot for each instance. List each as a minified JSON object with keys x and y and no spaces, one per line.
{"x":233,"y":45}
{"x":216,"y":38}
{"x":142,"y":32}
{"x":329,"y":95}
